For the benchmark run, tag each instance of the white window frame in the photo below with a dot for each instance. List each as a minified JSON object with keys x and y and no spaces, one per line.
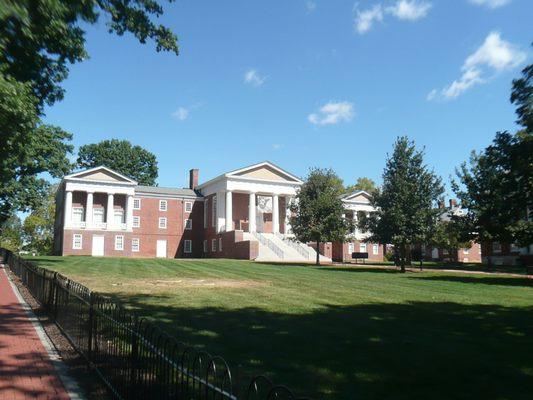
{"x":375,"y":249}
{"x":213,"y":245}
{"x":164,"y":225}
{"x":188,"y":224}
{"x":189,"y":250}
{"x":187,"y":206}
{"x":100,"y":211}
{"x":496,"y":247}
{"x":74,"y":245}
{"x":206,"y":210}
{"x":119,"y":244}
{"x":118,"y":212}
{"x":78,"y":211}
{"x":138,"y":200}
{"x":214,"y":211}
{"x":219,"y":244}
{"x":362,"y":248}
{"x":205,"y":246}
{"x":135,"y":245}
{"x":466,"y":251}
{"x":136,"y":223}
{"x":163,"y":205}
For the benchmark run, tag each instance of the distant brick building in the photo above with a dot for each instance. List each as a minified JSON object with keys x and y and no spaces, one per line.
{"x":240,"y":214}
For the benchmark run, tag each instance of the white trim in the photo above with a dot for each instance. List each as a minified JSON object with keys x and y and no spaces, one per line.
{"x":188,"y":224}
{"x":375,"y":249}
{"x":161,"y":207}
{"x":138,"y":219}
{"x":213,"y":245}
{"x":185,"y":246}
{"x":219,"y":244}
{"x":160,"y":220}
{"x":76,"y":175}
{"x":167,"y":196}
{"x":74,"y":236}
{"x":205,"y":246}
{"x":185,"y":204}
{"x":121,"y":247}
{"x":133,"y":240}
{"x":134,"y":200}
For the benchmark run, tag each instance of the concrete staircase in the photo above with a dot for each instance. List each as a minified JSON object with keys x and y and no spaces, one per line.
{"x":279,"y":247}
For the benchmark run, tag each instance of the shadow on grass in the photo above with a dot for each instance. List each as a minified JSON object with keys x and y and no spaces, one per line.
{"x":363,"y":269}
{"x":416,"y":350}
{"x":485,"y":280}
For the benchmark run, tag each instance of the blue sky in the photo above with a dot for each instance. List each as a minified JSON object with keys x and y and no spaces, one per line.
{"x":304,"y":83}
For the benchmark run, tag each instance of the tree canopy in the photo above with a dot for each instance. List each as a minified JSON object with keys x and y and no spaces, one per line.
{"x":362,"y":183}
{"x":121,"y":156}
{"x":406,"y":211}
{"x":38,"y":227}
{"x":318,"y":210}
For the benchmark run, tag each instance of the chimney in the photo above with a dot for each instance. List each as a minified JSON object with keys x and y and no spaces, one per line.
{"x":441,"y":204}
{"x":193,"y":178}
{"x":453,"y":203}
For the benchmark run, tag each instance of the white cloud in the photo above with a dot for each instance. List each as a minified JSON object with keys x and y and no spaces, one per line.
{"x":409,"y":10}
{"x":253,"y":78}
{"x":181,"y":113}
{"x":494,"y":55}
{"x":310,"y":6}
{"x":405,"y":10}
{"x":365,"y":19}
{"x":490,"y":3}
{"x":277,"y":146}
{"x":332,"y":113}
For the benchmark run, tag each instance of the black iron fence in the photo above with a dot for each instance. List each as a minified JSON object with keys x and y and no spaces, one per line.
{"x":134,"y":358}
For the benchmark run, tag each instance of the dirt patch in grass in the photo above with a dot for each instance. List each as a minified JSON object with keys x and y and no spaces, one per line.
{"x":194,"y":283}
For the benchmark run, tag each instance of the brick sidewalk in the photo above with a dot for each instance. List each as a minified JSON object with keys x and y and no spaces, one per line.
{"x":26,"y":371}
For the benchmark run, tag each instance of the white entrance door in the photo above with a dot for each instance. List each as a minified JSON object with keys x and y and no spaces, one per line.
{"x":98,"y":246}
{"x":161,"y":249}
{"x":435,"y":253}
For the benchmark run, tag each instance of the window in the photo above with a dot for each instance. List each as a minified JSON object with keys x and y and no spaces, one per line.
{"x":188,"y":224}
{"x":514,"y":248}
{"x":362,"y":248}
{"x":466,"y":251}
{"x":119,"y":216}
{"x":187,"y":246}
{"x":496,"y":247}
{"x":136,"y":204}
{"x":77,"y":214}
{"x":205,"y":246}
{"x":375,"y":249}
{"x":77,"y":241}
{"x":350,"y":248}
{"x":136,"y":222}
{"x":219,"y":244}
{"x":465,"y":259}
{"x":98,"y":215}
{"x":188,"y":206}
{"x":213,"y":245}
{"x":119,"y":242}
{"x":214,"y":210}
{"x":162,"y":223}
{"x":206,"y":208}
{"x":135,"y":245}
{"x":162,"y":205}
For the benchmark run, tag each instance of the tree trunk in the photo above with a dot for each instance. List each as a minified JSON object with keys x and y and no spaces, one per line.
{"x":402,"y":258}
{"x":317,"y":252}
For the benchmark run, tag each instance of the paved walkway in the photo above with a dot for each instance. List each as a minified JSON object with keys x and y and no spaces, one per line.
{"x":26,"y":371}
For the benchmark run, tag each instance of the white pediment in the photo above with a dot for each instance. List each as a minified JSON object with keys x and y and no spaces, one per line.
{"x":359,"y":196}
{"x":101,"y":174}
{"x":265,"y":171}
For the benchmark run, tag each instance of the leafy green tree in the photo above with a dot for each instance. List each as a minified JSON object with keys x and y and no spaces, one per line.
{"x":38,"y":227}
{"x":11,"y":234}
{"x":496,"y":190}
{"x":318,"y":210}
{"x":522,"y":97}
{"x":449,"y":235}
{"x":406,"y":212}
{"x":362,"y":183}
{"x":121,"y":156}
{"x":38,"y":40}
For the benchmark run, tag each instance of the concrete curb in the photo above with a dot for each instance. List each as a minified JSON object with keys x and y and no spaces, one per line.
{"x":71,"y":387}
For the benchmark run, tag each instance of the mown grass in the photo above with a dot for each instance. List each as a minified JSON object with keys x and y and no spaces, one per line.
{"x":336,"y":332}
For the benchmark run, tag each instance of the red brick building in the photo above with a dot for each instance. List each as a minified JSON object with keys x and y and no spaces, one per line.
{"x":240,"y":214}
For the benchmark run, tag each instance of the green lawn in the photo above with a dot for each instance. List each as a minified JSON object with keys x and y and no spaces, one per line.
{"x":335,"y":332}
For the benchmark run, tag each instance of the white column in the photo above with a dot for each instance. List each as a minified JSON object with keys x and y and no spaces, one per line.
{"x":275,"y":213}
{"x":68,"y":208}
{"x":229,"y":211}
{"x":287,"y":227}
{"x":89,"y":210}
{"x":251,"y":213}
{"x":110,"y":210}
{"x":221,"y":209}
{"x":129,"y":213}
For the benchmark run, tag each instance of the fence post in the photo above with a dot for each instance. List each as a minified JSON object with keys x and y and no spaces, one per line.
{"x":90,"y":327}
{"x":134,"y":356}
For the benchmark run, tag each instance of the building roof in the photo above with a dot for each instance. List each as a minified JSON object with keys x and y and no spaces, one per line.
{"x":156,"y":190}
